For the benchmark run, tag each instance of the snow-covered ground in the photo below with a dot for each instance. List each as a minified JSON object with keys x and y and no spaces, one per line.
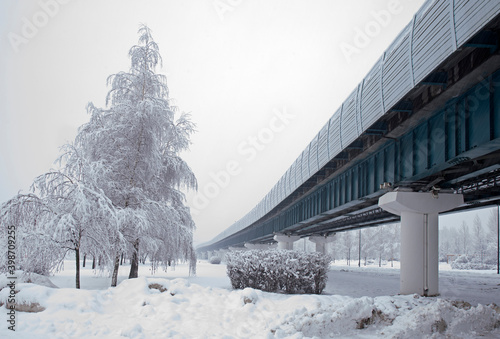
{"x":359,"y":302}
{"x":475,"y":287}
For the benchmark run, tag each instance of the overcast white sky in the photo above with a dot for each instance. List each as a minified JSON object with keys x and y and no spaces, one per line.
{"x":231,"y":63}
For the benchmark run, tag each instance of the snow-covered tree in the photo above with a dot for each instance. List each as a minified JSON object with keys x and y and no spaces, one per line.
{"x":118,"y":186}
{"x":457,"y":243}
{"x":380,"y":243}
{"x":348,"y":244}
{"x":359,"y":246}
{"x":464,"y":238}
{"x":376,"y":243}
{"x":368,"y":243}
{"x":35,"y":250}
{"x":492,"y":237}
{"x":393,"y":242}
{"x":66,"y":211}
{"x":479,"y":239}
{"x":447,"y":243}
{"x":81,"y":217}
{"x":133,"y":147}
{"x":332,"y":248}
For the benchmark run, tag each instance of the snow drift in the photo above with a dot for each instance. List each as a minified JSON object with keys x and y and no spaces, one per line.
{"x":162,"y":308}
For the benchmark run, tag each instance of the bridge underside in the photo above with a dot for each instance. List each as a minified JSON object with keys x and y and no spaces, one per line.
{"x":483,"y":190}
{"x":443,"y":135}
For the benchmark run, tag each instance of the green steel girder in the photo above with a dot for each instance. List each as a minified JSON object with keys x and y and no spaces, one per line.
{"x":462,"y":137}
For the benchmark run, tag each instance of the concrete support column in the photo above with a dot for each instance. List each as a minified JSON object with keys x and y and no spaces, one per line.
{"x":222,"y":254}
{"x":320,"y":242}
{"x":419,"y":236}
{"x":285,"y":242}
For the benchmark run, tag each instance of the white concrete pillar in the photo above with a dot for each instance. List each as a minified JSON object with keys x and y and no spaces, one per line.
{"x":320,"y":242}
{"x":222,"y":254}
{"x":419,"y":236}
{"x":285,"y":242}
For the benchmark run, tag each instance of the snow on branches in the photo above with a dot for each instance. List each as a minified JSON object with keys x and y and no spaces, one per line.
{"x":135,"y":145}
{"x":118,"y":188}
{"x":35,"y":249}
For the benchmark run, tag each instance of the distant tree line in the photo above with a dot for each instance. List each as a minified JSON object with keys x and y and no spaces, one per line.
{"x":378,"y":245}
{"x":468,"y":246}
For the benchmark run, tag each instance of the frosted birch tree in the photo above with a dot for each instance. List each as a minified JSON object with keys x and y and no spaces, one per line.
{"x":118,"y":186}
{"x":393,"y":242}
{"x":380,"y":243}
{"x":81,"y":217}
{"x":479,"y":239}
{"x":492,"y":237}
{"x":348,"y":243}
{"x":464,"y":237}
{"x":134,"y":146}
{"x":36,"y":251}
{"x":65,"y":212}
{"x":367,"y":235}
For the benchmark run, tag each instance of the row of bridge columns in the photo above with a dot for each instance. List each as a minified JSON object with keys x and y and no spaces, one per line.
{"x":419,"y":255}
{"x":284,"y":242}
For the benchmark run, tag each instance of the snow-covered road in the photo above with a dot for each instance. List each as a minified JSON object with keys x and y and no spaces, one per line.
{"x":475,"y":287}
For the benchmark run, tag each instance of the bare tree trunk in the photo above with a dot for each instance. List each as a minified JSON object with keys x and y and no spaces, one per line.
{"x":77,"y":255}
{"x":114,"y":277}
{"x":134,"y":264}
{"x":84,"y":259}
{"x":122,"y":259}
{"x":93,"y":262}
{"x":192,"y":264}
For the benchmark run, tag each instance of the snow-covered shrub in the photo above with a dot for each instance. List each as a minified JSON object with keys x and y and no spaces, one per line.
{"x":460,"y":263}
{"x":215,"y":260}
{"x":465,"y":262}
{"x":278,"y":270}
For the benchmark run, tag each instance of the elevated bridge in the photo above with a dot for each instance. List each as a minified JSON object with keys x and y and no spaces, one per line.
{"x":423,"y":124}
